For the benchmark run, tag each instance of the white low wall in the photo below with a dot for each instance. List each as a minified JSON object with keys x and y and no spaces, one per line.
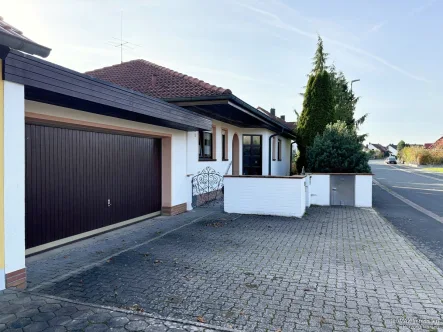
{"x":363,"y":190}
{"x":267,"y":195}
{"x":320,"y":189}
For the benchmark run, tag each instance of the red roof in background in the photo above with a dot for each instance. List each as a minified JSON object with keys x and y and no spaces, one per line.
{"x":290,"y":124}
{"x":428,"y":145}
{"x":438,"y":144}
{"x":157,"y":81}
{"x":9,"y":29}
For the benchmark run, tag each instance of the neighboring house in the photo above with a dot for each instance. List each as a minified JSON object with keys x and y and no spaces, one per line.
{"x":438,"y":144}
{"x":82,"y":155}
{"x":243,"y":140}
{"x":377,"y":148}
{"x":392,"y":149}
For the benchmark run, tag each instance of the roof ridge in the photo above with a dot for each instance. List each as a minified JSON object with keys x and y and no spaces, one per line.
{"x":188,"y":77}
{"x":192,"y":79}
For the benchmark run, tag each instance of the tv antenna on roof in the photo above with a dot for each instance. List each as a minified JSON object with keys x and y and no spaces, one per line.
{"x":119,"y":42}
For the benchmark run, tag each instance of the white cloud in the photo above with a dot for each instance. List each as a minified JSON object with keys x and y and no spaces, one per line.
{"x":276,"y":22}
{"x":421,"y":8}
{"x":377,"y":26}
{"x":231,"y":75}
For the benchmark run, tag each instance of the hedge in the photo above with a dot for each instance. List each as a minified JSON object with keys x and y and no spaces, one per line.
{"x":421,"y":156}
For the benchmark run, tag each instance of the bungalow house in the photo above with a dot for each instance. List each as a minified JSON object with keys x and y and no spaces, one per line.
{"x":243,"y":140}
{"x":82,"y":154}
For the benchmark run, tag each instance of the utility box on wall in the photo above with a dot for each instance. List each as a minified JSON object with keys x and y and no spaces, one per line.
{"x":342,"y":189}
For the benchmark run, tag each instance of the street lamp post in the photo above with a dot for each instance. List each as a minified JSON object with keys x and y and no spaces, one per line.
{"x":357,"y":80}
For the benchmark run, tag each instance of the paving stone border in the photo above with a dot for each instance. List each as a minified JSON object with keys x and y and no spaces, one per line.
{"x":25,"y":311}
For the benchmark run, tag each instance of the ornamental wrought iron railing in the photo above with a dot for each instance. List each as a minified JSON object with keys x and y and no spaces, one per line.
{"x":207,"y":188}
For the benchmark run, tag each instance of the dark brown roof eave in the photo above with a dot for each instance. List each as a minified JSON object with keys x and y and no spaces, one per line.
{"x":277,"y":126}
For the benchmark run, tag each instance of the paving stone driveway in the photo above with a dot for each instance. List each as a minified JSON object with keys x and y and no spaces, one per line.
{"x":335,"y":269}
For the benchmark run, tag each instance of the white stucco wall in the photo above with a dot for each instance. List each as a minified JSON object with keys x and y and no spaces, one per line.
{"x":281,"y":167}
{"x":363,"y":190}
{"x":14,"y":180}
{"x":265,"y":195}
{"x":193,"y":165}
{"x":320,"y":189}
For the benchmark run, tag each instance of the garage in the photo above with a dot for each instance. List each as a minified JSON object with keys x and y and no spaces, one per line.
{"x":79,"y":181}
{"x":80,"y":156}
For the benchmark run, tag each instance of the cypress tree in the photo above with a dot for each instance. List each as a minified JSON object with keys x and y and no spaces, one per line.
{"x":317,"y":113}
{"x":320,"y":57}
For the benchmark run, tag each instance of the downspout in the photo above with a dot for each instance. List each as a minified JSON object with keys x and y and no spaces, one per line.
{"x":270,"y":139}
{"x":290,"y":160}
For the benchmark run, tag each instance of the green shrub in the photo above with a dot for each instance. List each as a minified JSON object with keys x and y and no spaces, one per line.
{"x":338,"y":150}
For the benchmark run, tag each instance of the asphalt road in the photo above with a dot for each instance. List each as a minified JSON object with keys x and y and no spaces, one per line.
{"x":423,"y":189}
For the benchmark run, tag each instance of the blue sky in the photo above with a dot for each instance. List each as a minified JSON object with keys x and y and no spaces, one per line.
{"x":262,"y":50}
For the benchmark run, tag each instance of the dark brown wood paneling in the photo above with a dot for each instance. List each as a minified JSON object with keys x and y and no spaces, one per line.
{"x":71,"y":174}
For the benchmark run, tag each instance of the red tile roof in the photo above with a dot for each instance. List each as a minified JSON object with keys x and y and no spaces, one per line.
{"x":438,"y":144}
{"x":157,"y":81}
{"x":9,"y":29}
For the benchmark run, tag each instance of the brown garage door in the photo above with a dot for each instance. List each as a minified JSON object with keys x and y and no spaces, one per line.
{"x":78,"y":181}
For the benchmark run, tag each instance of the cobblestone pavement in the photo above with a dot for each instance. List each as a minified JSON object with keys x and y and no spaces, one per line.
{"x":342,"y":269}
{"x":58,"y":262}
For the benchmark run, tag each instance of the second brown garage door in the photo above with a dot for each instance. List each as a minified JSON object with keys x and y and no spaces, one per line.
{"x":78,"y":181}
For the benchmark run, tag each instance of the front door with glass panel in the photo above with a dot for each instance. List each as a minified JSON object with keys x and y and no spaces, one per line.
{"x":252,"y":155}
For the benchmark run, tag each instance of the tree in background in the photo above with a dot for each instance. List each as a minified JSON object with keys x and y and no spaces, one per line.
{"x":401,"y":145}
{"x":344,"y":100}
{"x":317,"y":105}
{"x":317,"y":113}
{"x":338,"y":150}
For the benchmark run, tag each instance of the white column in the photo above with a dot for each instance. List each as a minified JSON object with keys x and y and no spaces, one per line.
{"x":14,"y":177}
{"x":191,"y":164}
